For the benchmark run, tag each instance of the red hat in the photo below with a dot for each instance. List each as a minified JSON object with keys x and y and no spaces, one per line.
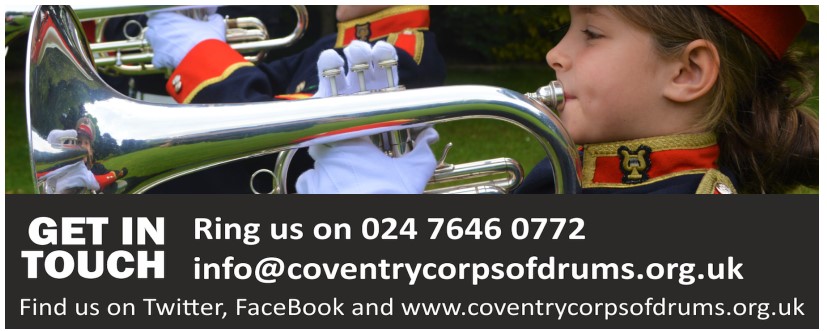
{"x":86,"y":130}
{"x":772,"y":27}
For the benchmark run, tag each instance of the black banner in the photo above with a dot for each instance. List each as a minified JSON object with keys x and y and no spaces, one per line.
{"x":218,"y":261}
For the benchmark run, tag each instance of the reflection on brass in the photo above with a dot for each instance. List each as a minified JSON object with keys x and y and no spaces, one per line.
{"x":146,"y":144}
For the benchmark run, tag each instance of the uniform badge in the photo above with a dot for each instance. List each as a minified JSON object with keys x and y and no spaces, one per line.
{"x":363,"y":31}
{"x":300,"y":87}
{"x":635,"y":165}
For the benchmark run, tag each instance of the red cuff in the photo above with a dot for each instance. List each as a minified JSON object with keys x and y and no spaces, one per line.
{"x":209,"y":62}
{"x":106,"y":179}
{"x":411,"y":41}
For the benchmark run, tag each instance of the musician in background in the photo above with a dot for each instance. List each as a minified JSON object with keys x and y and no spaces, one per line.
{"x":207,"y":70}
{"x":80,"y":176}
{"x":152,"y":88}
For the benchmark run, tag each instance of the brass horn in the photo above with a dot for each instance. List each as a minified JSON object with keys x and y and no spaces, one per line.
{"x":487,"y":175}
{"x":160,"y":142}
{"x":133,"y":56}
{"x":247,"y":35}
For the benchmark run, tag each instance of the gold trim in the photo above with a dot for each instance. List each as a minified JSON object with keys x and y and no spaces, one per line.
{"x":661,"y":143}
{"x":392,"y":38}
{"x":589,"y":167}
{"x":420,"y":46}
{"x":227,"y":72}
{"x":384,"y":13}
{"x":712,"y":178}
{"x":419,"y":42}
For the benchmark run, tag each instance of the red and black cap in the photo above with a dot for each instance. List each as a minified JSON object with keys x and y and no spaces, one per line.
{"x":772,"y":27}
{"x":84,"y":129}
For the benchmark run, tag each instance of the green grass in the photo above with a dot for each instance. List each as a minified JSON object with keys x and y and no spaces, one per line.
{"x":482,"y":139}
{"x":18,"y":171}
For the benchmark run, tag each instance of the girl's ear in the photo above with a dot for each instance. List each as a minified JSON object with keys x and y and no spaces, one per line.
{"x":696,"y":72}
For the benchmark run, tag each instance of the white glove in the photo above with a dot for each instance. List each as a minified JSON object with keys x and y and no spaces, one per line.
{"x":356,"y":165}
{"x":357,"y":52}
{"x":62,"y":137}
{"x":173,"y":35}
{"x":379,"y":78}
{"x":70,"y":177}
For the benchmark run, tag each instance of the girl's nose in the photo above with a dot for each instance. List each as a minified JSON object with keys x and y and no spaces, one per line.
{"x":557,"y":60}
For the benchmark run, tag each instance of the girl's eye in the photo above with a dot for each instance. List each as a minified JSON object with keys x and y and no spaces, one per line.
{"x":591,"y":35}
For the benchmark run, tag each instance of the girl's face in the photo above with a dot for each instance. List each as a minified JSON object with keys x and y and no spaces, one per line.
{"x":87,"y":145}
{"x":613,"y":79}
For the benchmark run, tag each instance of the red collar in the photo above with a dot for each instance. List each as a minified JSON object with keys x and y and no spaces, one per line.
{"x":644,"y":161}
{"x":382,"y":23}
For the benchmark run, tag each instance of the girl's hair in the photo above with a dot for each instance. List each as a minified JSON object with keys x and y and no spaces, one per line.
{"x":766,"y":134}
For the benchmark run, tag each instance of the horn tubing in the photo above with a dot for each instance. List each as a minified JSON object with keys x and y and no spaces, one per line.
{"x":138,"y":63}
{"x":252,"y":129}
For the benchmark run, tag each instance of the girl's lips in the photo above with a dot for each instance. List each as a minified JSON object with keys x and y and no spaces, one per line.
{"x":567,"y":97}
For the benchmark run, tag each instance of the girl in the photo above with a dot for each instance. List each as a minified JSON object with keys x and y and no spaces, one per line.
{"x":685,"y":99}
{"x":681,"y":99}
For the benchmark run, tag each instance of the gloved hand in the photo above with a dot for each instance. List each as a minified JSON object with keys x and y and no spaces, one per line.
{"x":62,"y":137}
{"x":357,"y":52}
{"x":173,"y":35}
{"x":356,"y":165}
{"x":69,"y":179}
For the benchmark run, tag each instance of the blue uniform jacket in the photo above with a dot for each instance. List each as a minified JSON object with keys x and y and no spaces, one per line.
{"x":214,"y":73}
